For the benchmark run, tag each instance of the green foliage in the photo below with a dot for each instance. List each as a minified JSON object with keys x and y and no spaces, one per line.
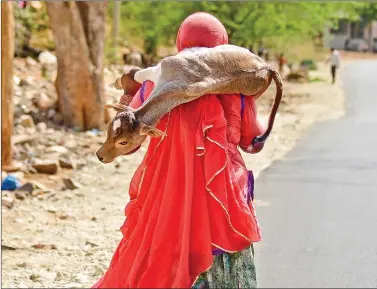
{"x":111,"y":55}
{"x":309,"y":63}
{"x":367,"y":12}
{"x":30,"y":22}
{"x":247,"y":23}
{"x":316,"y":79}
{"x":152,"y":24}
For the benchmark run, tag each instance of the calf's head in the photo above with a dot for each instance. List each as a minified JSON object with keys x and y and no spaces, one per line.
{"x":125,"y":134}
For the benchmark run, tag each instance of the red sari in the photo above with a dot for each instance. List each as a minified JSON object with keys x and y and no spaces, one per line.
{"x":188,"y":198}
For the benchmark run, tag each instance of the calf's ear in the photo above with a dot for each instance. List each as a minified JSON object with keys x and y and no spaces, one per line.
{"x":118,"y":107}
{"x":117,"y":84}
{"x":151,"y":131}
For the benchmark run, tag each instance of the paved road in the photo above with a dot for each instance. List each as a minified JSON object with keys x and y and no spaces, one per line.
{"x":320,"y":225}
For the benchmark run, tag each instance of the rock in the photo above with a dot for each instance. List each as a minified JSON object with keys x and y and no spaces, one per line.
{"x":98,"y":271}
{"x":94,"y":219}
{"x":92,"y":133}
{"x":19,"y":175}
{"x":80,"y":165}
{"x":27,"y":121}
{"x":63,"y":216}
{"x":21,"y":139}
{"x":80,"y":278}
{"x":66,"y":162}
{"x":43,"y":102}
{"x":26,"y":188}
{"x":28,"y":81}
{"x":35,"y":4}
{"x":50,"y":130}
{"x":70,"y":184}
{"x":16,"y":80}
{"x":7,"y":202}
{"x":52,"y":210}
{"x":47,"y":58}
{"x":30,"y":130}
{"x":45,"y":246}
{"x":49,"y":167}
{"x":51,"y":113}
{"x":57,"y":149}
{"x":5,"y":247}
{"x":18,"y":130}
{"x":58,"y":118}
{"x":14,"y":167}
{"x":21,"y":265}
{"x":30,"y":61}
{"x":85,"y":145}
{"x":61,"y":275}
{"x":3,"y":175}
{"x":20,"y":195}
{"x":35,"y":277}
{"x":37,"y":193}
{"x":71,"y":144}
{"x":91,"y":244}
{"x":42,"y":127}
{"x":40,"y":186}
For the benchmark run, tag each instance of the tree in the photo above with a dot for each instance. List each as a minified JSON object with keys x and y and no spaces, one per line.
{"x":247,"y":23}
{"x":368,"y":13}
{"x":79,"y":31}
{"x":115,"y":26}
{"x":7,"y":52}
{"x":155,"y":22}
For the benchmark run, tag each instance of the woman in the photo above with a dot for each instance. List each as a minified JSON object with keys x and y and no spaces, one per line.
{"x":190,"y":208}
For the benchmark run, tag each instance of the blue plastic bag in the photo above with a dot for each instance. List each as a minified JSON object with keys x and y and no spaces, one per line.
{"x":10,"y":183}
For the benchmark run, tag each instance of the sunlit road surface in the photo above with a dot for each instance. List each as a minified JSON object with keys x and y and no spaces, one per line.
{"x":320,"y":225}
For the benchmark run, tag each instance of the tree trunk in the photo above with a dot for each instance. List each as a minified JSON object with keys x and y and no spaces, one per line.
{"x":79,"y":32}
{"x":116,"y":21}
{"x":7,"y":52}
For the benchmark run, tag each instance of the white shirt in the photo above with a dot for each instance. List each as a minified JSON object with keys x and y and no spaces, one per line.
{"x":335,"y":58}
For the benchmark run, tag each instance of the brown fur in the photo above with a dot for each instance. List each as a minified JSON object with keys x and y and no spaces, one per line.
{"x":186,"y":77}
{"x":127,"y":82}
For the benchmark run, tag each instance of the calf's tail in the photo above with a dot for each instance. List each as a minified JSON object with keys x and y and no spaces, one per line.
{"x":274,"y":74}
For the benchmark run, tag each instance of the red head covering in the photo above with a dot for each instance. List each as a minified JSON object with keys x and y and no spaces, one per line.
{"x":201,"y":30}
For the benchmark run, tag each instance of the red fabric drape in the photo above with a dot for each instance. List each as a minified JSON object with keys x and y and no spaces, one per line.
{"x":183,"y":202}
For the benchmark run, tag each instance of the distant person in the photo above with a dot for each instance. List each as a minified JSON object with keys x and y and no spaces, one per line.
{"x":375,"y":45}
{"x":346,"y":44}
{"x":266,"y":54}
{"x":282,"y":60}
{"x":22,"y":4}
{"x":334,"y":60}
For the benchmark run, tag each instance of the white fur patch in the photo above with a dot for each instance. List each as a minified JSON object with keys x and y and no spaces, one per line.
{"x":116,"y":124}
{"x":151,"y":73}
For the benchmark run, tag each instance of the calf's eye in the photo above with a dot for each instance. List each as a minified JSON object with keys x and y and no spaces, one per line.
{"x":123,"y":143}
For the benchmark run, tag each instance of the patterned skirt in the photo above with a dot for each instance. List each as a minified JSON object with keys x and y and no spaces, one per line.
{"x":230,"y":271}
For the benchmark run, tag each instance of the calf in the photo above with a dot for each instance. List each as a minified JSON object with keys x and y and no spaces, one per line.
{"x":225,"y":69}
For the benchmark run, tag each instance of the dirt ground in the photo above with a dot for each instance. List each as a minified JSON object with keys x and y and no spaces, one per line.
{"x":66,"y":238}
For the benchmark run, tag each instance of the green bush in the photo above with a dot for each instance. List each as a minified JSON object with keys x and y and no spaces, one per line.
{"x":309,"y":63}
